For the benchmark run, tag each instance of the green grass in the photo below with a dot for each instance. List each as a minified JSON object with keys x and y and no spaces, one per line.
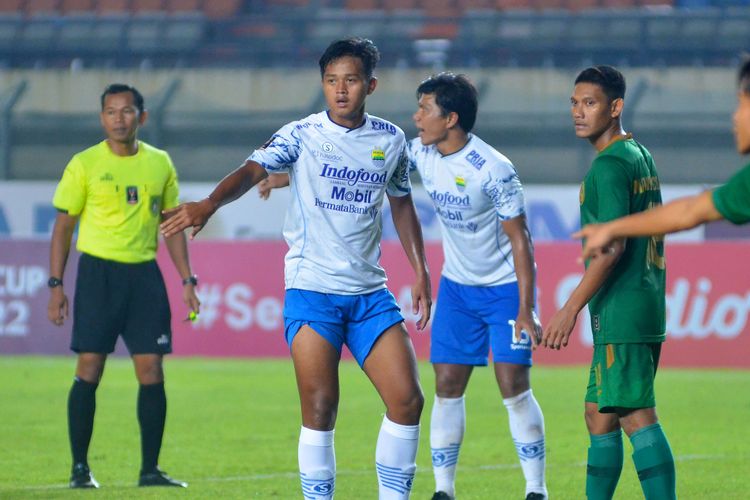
{"x":233,"y":425}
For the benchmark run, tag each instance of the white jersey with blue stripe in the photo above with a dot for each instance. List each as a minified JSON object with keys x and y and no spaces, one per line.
{"x":473,"y":191}
{"x":338,"y":179}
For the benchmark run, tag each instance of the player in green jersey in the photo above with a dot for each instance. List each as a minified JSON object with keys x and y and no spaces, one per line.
{"x":730,"y":201}
{"x":625,"y":292}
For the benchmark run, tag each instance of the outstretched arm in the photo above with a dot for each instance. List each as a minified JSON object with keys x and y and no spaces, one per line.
{"x":523,"y":260}
{"x":557,"y":332}
{"x":270,"y":183}
{"x":678,"y":215}
{"x":410,"y":233}
{"x":196,"y":214}
{"x":62,"y":234}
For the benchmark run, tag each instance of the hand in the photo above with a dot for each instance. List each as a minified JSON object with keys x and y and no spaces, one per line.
{"x":558,"y":330}
{"x":190,"y":298}
{"x":191,"y":214}
{"x":57,"y":307}
{"x":270,"y":183}
{"x":421,"y":300}
{"x":597,"y":238}
{"x":264,"y":188}
{"x":529,"y":323}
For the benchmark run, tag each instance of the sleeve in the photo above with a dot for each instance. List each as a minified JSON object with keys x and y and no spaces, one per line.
{"x":399,"y":184}
{"x":70,"y":194}
{"x":611,"y":184}
{"x":501,"y":184}
{"x":281,"y":151}
{"x":411,"y":153}
{"x":171,"y":195}
{"x":732,"y":199}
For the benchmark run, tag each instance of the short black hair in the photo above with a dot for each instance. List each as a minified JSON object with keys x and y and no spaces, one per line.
{"x":119,"y":88}
{"x":608,"y":78}
{"x":361,"y":48}
{"x":454,"y":94}
{"x":743,"y":76}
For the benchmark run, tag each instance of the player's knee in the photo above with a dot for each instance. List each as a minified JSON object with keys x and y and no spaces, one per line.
{"x":320,"y":408}
{"x":408,"y":408}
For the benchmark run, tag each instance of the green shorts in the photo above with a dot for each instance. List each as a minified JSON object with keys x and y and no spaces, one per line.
{"x":622,"y":376}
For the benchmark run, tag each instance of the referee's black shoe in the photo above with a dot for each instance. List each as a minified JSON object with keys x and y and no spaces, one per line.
{"x":157,"y":477}
{"x":81,"y":477}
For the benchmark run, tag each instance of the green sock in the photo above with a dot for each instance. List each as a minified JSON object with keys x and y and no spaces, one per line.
{"x":604,"y":465}
{"x":653,"y":461}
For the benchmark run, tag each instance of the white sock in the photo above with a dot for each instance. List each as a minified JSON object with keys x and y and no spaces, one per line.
{"x":395,"y":459}
{"x":317,"y":464}
{"x":447,"y":428}
{"x":527,"y":429}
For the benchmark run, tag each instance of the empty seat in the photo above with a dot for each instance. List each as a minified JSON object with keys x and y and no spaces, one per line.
{"x":76,"y":6}
{"x":183,"y":32}
{"x":77,"y":31}
{"x":41,"y":7}
{"x":109,"y":7}
{"x":146,"y":5}
{"x":10,"y":28}
{"x":218,"y":9}
{"x":11,"y":6}
{"x":361,"y":4}
{"x":182,"y":5}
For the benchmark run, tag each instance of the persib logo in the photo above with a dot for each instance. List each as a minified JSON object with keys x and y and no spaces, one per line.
{"x":378,"y":157}
{"x":475,"y":159}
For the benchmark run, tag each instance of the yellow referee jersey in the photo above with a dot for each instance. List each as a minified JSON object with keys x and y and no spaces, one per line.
{"x":119,"y":200}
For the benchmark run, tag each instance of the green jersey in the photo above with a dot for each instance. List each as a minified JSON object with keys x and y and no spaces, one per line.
{"x":732,"y":200}
{"x":630,"y":306}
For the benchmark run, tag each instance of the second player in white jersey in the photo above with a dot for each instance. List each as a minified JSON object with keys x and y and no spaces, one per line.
{"x":338,"y":178}
{"x":473,"y":190}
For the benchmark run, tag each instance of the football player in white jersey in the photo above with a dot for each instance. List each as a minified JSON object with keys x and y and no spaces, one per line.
{"x":487,"y":288}
{"x":341,"y":162}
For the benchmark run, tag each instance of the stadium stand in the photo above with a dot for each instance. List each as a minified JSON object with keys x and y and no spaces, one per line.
{"x":219,"y":72}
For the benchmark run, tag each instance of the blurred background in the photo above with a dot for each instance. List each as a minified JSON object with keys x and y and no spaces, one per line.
{"x":220,"y":76}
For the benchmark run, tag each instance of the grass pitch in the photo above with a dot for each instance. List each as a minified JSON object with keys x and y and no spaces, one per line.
{"x":233,"y":425}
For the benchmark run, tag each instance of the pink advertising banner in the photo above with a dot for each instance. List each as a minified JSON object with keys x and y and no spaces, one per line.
{"x":242,"y":291}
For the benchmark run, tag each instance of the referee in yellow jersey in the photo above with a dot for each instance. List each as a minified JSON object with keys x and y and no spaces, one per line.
{"x":117,"y":189}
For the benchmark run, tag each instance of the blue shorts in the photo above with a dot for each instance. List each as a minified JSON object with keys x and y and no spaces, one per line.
{"x":354,"y":320}
{"x":470,"y":318}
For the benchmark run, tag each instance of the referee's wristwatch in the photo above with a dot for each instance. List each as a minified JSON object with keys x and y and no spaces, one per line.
{"x":54,"y":282}
{"x":190,"y":280}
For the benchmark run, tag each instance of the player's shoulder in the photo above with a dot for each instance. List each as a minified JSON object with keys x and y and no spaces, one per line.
{"x":382,"y":126}
{"x":484,"y":157}
{"x":150,"y":150}
{"x":417,"y":148}
{"x":314,"y":120}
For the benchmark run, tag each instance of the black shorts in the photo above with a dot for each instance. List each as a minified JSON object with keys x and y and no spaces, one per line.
{"x":113,"y":298}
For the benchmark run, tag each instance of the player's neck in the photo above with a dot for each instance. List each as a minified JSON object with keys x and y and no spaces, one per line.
{"x":453,"y":142}
{"x":129,"y":148}
{"x":613,"y":134}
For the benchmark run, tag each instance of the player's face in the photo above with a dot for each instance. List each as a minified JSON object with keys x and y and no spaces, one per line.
{"x":742,"y":121}
{"x":593,"y":113}
{"x":120,"y":117}
{"x":346,"y":87}
{"x":429,"y":120}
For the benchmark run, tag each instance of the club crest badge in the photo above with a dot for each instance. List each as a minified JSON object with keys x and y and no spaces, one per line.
{"x":131,"y":193}
{"x":460,"y":184}
{"x":378,"y":157}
